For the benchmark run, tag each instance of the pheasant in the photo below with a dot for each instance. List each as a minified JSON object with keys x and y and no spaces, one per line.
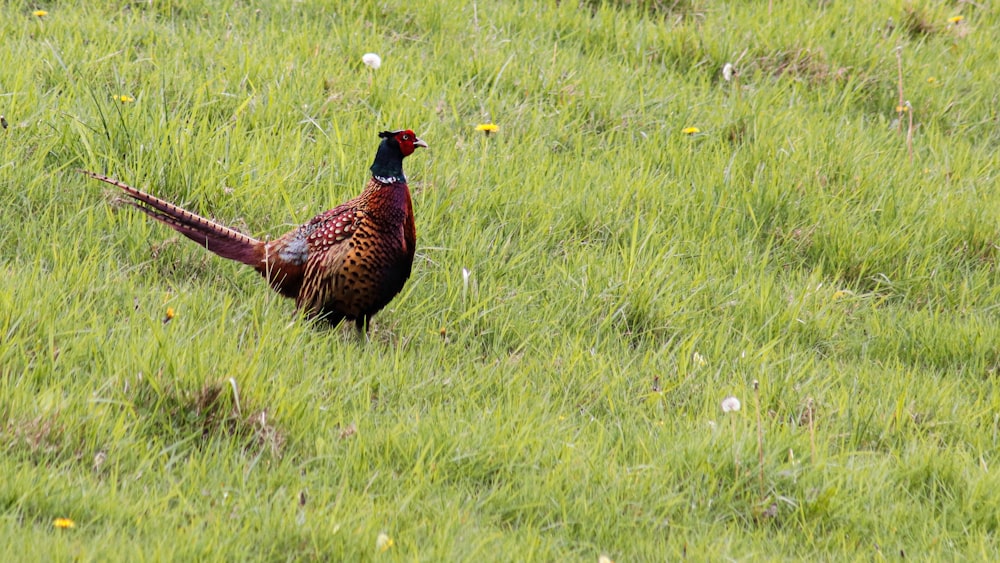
{"x":345,"y":263}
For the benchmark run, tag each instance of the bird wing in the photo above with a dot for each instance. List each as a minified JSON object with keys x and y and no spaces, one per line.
{"x":328,"y":241}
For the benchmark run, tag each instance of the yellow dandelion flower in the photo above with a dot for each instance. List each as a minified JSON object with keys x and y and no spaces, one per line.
{"x":383,"y":542}
{"x":931,"y":80}
{"x":487,"y":128}
{"x":902,"y":109}
{"x":842,"y":293}
{"x":170,"y":315}
{"x":953,"y":19}
{"x":125,"y":99}
{"x":63,"y":523}
{"x":690,"y":130}
{"x":39,"y":13}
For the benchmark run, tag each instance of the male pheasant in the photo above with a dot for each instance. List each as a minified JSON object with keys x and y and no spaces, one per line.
{"x":346,"y":263}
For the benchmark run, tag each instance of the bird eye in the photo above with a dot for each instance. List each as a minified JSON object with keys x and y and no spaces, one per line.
{"x":406,"y":137}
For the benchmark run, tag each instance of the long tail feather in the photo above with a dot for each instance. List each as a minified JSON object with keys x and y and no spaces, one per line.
{"x":217,"y":238}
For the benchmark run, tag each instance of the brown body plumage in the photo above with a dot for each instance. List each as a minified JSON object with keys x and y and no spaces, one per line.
{"x":345,"y":263}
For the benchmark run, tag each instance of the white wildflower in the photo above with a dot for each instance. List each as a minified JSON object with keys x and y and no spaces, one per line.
{"x":698,"y":359}
{"x":383,"y":542}
{"x":728,"y":72}
{"x":730,"y":404}
{"x":371,"y":60}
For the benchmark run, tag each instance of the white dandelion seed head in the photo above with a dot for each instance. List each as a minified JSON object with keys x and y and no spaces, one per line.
{"x":730,"y":404}
{"x":728,"y":71}
{"x":371,"y":60}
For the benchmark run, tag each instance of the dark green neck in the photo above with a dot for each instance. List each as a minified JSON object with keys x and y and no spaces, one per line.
{"x":388,"y":165}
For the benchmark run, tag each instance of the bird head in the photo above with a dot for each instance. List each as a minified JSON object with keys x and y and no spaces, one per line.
{"x":395,"y":146}
{"x":405,"y":139}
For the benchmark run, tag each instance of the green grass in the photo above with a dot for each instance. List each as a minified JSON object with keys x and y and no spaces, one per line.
{"x":624,"y":279}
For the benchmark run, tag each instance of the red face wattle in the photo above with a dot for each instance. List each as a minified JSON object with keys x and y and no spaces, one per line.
{"x":408,"y":142}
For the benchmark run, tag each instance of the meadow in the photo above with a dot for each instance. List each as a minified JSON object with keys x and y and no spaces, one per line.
{"x":812,"y":230}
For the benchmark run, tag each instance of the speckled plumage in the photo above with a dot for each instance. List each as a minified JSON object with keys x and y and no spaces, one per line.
{"x":345,"y":263}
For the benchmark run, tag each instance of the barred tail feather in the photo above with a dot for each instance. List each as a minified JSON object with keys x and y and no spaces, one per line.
{"x":217,"y":238}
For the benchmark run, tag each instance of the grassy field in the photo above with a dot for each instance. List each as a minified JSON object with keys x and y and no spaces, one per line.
{"x":591,"y":281}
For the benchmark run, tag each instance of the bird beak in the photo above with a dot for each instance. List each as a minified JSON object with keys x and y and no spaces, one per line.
{"x":418,"y":143}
